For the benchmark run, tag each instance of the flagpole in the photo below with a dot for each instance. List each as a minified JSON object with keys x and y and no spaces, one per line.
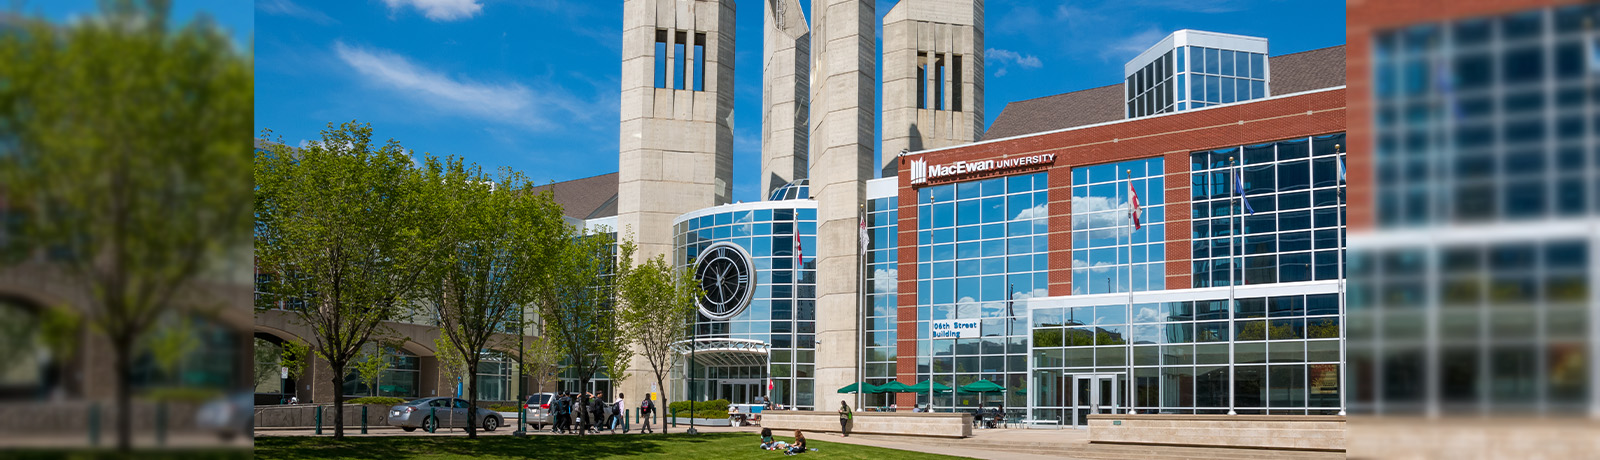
{"x":1232,"y":268}
{"x":861,"y":303}
{"x":1341,"y":233}
{"x":1132,"y":209}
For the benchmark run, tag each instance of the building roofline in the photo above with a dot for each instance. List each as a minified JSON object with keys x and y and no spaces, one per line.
{"x":1126,"y":120}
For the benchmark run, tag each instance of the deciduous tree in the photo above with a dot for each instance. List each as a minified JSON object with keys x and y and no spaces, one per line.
{"x":657,"y":306}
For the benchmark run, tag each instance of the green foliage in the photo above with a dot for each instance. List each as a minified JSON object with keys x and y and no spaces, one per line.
{"x":267,"y":357}
{"x":295,"y":355}
{"x":575,"y":297}
{"x":667,"y":447}
{"x":541,"y":360}
{"x":182,"y":394}
{"x":347,"y":230}
{"x":383,"y":400}
{"x":717,"y":405}
{"x":657,"y":305}
{"x":491,"y":259}
{"x":169,"y":344}
{"x":125,"y":138}
{"x":504,"y":408}
{"x":371,"y":365}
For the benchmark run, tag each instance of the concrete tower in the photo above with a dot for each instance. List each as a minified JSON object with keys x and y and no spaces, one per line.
{"x":932,"y":76}
{"x":785,"y":92}
{"x":677,"y":128}
{"x":677,"y":105}
{"x":844,"y":54}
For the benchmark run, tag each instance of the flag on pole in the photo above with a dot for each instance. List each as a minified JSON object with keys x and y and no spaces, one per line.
{"x":769,"y":384}
{"x":799,"y":253}
{"x":865,"y":240}
{"x":1133,"y":210}
{"x":1341,"y":169}
{"x":1238,"y":187}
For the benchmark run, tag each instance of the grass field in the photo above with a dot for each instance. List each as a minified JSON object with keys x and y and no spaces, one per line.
{"x":721,"y":446}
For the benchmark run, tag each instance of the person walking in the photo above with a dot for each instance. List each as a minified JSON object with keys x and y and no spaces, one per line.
{"x":597,"y":411}
{"x":845,"y":417}
{"x":619,"y":411}
{"x":557,"y":412}
{"x":647,"y":409}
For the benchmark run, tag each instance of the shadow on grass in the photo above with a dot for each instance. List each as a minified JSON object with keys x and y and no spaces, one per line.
{"x":677,"y":446}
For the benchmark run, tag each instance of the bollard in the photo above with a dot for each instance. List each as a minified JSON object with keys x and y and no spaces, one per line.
{"x":161,"y":424}
{"x":433,"y":412}
{"x":363,"y":419}
{"x":674,"y":418}
{"x":94,"y":424}
{"x":319,"y":419}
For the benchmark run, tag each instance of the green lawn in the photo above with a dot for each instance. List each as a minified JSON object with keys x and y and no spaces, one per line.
{"x":675,"y":446}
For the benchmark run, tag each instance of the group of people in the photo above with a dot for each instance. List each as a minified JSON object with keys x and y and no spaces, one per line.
{"x":796,"y":447}
{"x":591,"y":413}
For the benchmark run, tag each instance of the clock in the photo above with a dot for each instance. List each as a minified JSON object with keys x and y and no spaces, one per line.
{"x":727,"y":278}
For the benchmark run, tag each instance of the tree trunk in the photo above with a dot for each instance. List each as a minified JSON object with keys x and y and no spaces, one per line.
{"x":583,"y":387}
{"x":661,"y":406}
{"x":338,"y":401}
{"x":472,"y":399}
{"x":123,"y":363}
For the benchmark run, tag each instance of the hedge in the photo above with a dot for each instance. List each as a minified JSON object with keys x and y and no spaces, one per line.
{"x":384,"y":400}
{"x":718,"y":405}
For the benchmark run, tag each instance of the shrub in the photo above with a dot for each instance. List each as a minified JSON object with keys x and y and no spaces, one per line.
{"x":719,"y":405}
{"x":384,"y":400}
{"x":504,"y":408}
{"x":182,"y":394}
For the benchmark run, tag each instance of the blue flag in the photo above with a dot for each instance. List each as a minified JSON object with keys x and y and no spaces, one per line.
{"x":1238,"y":187}
{"x":1341,"y":169}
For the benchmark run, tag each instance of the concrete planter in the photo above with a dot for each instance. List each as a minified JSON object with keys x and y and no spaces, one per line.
{"x":1296,"y":432}
{"x":938,"y":424}
{"x":305,"y":416}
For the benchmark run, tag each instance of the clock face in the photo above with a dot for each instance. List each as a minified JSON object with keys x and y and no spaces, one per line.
{"x":728,"y":279}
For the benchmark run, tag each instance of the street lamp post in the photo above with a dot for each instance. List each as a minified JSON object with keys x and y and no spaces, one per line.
{"x":692,"y":346}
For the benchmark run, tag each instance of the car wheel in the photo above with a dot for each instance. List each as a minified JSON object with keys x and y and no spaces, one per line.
{"x":489,"y":424}
{"x":409,"y":428}
{"x":430,"y":424}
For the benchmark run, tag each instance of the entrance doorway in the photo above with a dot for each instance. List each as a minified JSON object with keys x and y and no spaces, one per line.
{"x":738,"y":391}
{"x":1095,"y":394}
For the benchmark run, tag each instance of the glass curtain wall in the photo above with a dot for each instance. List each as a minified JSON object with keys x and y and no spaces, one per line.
{"x":782,"y":311}
{"x":982,"y":252}
{"x":883,"y":277}
{"x":1108,"y":254}
{"x":1212,"y":76}
{"x":1296,"y":230}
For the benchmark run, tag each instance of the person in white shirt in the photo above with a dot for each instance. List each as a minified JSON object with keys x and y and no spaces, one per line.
{"x":621,"y":411}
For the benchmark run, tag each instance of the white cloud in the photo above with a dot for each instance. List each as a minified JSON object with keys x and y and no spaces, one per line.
{"x":440,"y":10}
{"x":507,"y":103}
{"x":1130,"y":46}
{"x":1004,"y":59}
{"x":289,"y":8}
{"x":885,"y":281}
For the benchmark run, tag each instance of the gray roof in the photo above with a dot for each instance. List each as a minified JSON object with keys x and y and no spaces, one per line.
{"x":586,"y":198}
{"x":1291,"y":73}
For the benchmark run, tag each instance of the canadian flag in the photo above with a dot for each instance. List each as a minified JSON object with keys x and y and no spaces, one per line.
{"x":799,"y":253}
{"x":1134,"y":209}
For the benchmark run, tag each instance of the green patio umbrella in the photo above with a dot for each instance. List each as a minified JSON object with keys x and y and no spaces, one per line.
{"x":982,"y":386}
{"x":895,"y":386}
{"x":867,"y":387}
{"x":922,"y":387}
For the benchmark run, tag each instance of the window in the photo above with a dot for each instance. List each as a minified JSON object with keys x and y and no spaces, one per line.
{"x":678,"y":55}
{"x":699,"y":62}
{"x":939,"y":82}
{"x":922,"y":80}
{"x":955,"y":84}
{"x":661,"y":59}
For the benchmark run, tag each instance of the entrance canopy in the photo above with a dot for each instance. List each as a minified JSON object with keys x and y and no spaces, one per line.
{"x":718,"y":352}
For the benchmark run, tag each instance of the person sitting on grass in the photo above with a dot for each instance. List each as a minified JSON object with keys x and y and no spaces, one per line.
{"x":766,"y":439}
{"x":799,"y":446}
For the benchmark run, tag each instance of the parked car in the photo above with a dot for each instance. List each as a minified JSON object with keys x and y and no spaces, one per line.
{"x":537,"y":409}
{"x":228,"y":416}
{"x":430,"y":414}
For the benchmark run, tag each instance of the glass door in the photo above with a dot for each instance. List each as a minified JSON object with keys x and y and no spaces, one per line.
{"x":1094,"y":394}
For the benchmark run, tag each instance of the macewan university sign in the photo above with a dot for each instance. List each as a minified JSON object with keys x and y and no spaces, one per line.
{"x":923,"y":173}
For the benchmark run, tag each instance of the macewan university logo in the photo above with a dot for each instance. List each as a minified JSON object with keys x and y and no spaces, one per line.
{"x":922,"y":172}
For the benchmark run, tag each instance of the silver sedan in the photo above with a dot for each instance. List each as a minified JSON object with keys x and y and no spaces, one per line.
{"x":430,"y":414}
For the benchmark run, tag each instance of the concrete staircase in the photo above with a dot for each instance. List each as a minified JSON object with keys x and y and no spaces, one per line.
{"x":1079,"y":449}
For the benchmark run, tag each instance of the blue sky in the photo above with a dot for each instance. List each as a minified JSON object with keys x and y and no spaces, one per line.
{"x":532,"y":84}
{"x":236,"y":16}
